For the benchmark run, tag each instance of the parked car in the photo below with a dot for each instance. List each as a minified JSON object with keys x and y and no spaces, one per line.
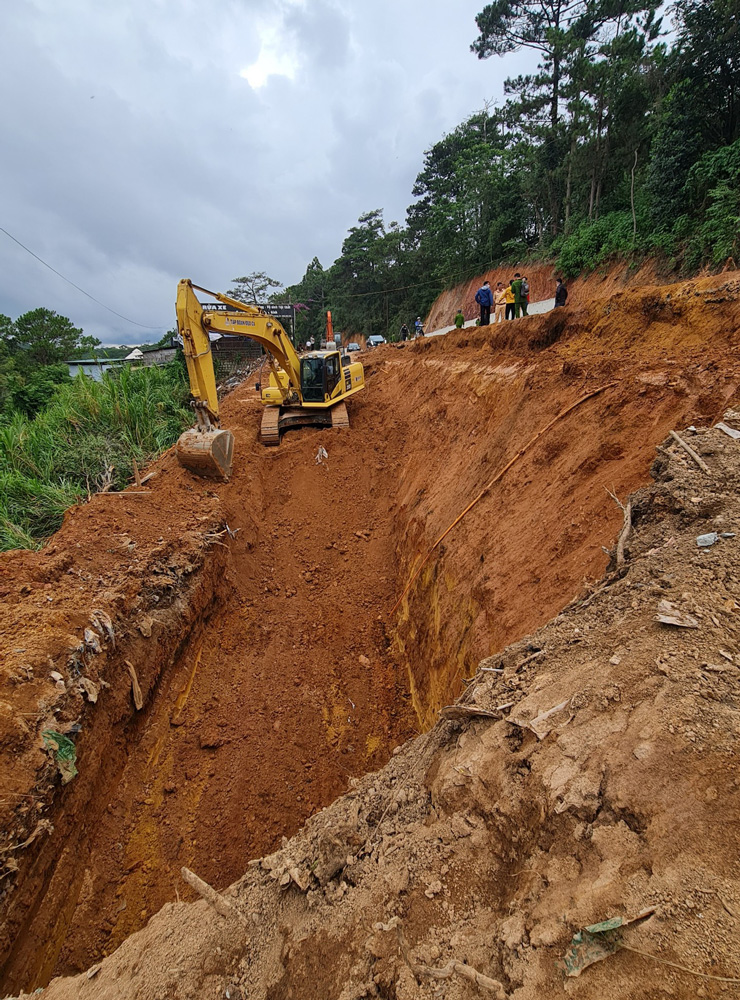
{"x":353,"y":346}
{"x":375,"y":341}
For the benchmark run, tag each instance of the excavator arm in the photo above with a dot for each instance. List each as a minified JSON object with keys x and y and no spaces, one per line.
{"x":195,"y":322}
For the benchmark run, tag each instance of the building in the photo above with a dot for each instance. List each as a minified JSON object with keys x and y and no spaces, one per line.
{"x":94,"y":367}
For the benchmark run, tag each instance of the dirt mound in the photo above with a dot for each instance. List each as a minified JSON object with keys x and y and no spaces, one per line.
{"x":582,"y":290}
{"x":258,"y":615}
{"x":581,"y":778}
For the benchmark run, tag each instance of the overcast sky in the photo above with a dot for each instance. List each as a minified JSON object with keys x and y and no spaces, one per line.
{"x":149,"y":140}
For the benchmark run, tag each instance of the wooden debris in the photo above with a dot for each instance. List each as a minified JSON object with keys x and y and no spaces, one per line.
{"x":530,"y":659}
{"x":220,"y":904}
{"x":540,"y":725}
{"x":135,"y":688}
{"x":470,"y":712}
{"x":453,"y":967}
{"x":691,"y":453}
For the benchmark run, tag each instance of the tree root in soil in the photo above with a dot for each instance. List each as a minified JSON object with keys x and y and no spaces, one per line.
{"x":453,"y":967}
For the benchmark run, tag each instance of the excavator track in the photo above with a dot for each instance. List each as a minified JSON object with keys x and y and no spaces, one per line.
{"x":339,"y":415}
{"x":270,"y":427}
{"x":276,"y":419}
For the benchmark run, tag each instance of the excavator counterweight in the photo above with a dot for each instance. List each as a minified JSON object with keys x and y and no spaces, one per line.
{"x":300,"y":391}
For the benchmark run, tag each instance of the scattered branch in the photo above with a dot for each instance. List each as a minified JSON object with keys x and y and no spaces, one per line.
{"x":220,"y":904}
{"x":453,"y":967}
{"x":690,"y":451}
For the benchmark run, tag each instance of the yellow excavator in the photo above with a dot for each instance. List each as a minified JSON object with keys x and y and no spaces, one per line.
{"x":301,"y":391}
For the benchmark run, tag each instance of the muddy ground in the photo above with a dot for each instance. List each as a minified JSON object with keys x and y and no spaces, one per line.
{"x":273,"y":671}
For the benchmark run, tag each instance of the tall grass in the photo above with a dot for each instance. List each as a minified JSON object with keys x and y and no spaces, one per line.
{"x":87,"y":436}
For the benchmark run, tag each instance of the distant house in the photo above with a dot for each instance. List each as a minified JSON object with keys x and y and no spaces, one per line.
{"x":94,"y":367}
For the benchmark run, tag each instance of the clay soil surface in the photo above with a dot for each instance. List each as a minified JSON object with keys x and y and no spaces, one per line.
{"x":258,"y":619}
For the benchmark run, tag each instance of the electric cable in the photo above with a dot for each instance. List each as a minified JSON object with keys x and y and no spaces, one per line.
{"x":70,"y":282}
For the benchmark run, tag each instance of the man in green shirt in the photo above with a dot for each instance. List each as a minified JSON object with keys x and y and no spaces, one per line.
{"x":459,"y":318}
{"x":516,"y":287}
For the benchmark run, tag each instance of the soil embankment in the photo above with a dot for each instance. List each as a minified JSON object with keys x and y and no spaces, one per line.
{"x":582,"y":291}
{"x":271,"y":665}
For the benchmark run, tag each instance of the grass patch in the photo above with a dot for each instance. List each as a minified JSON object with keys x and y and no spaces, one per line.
{"x":88,"y":435}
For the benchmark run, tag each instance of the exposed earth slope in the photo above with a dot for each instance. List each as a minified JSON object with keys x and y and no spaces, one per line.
{"x":273,"y":670}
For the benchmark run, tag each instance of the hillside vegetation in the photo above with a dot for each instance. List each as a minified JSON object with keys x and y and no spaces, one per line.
{"x":625,"y":142}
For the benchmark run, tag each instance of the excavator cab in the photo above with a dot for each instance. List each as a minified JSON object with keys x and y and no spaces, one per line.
{"x":319,"y":376}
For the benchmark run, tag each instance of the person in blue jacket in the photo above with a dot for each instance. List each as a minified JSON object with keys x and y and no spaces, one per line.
{"x":484,"y":298}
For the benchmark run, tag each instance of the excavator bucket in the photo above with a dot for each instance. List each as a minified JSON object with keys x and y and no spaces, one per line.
{"x":206,"y":453}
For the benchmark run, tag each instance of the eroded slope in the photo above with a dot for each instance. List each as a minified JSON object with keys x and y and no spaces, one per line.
{"x":494,"y":837}
{"x":271,"y":665}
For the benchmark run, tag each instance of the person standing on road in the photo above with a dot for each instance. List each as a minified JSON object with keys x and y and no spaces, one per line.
{"x":516,"y":287}
{"x":561,"y":294}
{"x":499,"y":301}
{"x":525,"y":295}
{"x":509,"y":300}
{"x":418,"y":328}
{"x":459,"y":318}
{"x":485,"y":300}
{"x":404,"y":333}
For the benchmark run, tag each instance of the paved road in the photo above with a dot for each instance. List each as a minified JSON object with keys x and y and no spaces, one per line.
{"x":543,"y":306}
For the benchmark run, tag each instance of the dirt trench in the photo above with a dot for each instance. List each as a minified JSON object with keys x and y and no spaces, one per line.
{"x":272,"y":665}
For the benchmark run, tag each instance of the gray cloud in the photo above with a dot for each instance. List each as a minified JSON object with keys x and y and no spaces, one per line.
{"x":135,"y":153}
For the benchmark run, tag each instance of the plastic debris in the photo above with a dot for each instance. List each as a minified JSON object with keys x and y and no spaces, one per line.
{"x":90,"y":689}
{"x":730,"y":431}
{"x":92,"y":642}
{"x":104,"y":625}
{"x":668,"y":614}
{"x":706,"y":541}
{"x":65,"y":753}
{"x":597,"y":941}
{"x":321,"y":454}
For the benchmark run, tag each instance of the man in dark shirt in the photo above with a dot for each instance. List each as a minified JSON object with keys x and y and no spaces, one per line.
{"x":484,"y":298}
{"x":561,"y":294}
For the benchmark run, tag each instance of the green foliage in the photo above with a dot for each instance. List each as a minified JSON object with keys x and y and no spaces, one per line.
{"x":253,"y":288}
{"x":593,"y":243}
{"x":87,"y":436}
{"x":43,"y":337}
{"x":32,"y":391}
{"x":713,"y":192}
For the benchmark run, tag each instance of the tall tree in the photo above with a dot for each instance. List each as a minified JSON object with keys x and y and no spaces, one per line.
{"x":253,"y":287}
{"x":43,"y":337}
{"x":709,"y":56}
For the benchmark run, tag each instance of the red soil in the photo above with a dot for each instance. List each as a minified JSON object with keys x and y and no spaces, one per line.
{"x":271,"y":666}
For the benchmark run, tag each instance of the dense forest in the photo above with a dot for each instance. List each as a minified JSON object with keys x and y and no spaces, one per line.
{"x":625,"y":142}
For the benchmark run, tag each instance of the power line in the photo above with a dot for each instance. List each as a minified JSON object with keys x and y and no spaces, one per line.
{"x":69,"y":282}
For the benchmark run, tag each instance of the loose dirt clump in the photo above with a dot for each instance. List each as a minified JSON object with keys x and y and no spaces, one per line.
{"x":258,"y":619}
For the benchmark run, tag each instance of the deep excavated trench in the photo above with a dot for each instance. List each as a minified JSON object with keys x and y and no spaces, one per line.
{"x":275,"y":668}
